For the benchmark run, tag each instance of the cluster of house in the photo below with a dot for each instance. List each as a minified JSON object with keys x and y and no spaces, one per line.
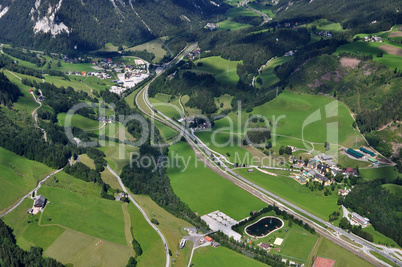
{"x":317,"y":169}
{"x":196,"y":124}
{"x":39,"y":204}
{"x":344,"y":192}
{"x":195,"y":53}
{"x":211,"y":26}
{"x":121,"y":196}
{"x":327,"y":34}
{"x":287,"y":25}
{"x":100,"y":74}
{"x":373,"y":39}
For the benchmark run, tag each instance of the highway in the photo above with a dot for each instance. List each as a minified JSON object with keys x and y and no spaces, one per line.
{"x":205,"y":153}
{"x":145,"y":216}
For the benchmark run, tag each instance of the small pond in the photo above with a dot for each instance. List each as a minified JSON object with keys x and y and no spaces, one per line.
{"x":264,"y":226}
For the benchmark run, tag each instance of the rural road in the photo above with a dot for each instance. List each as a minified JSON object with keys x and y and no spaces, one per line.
{"x":30,"y":193}
{"x":261,"y":192}
{"x":266,"y":18}
{"x":144,"y":214}
{"x":35,"y":116}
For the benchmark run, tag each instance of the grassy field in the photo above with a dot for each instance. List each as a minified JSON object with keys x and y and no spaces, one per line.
{"x":169,"y":225}
{"x":204,"y":190}
{"x":226,"y":100}
{"x":380,"y":238}
{"x":394,"y":189}
{"x":231,"y":25}
{"x":371,"y":48}
{"x":18,"y":176}
{"x":100,"y":218}
{"x":295,"y":110}
{"x":374,"y":173}
{"x":342,"y":257}
{"x":268,"y":76}
{"x":118,"y":155}
{"x":79,"y":121}
{"x":287,"y":188}
{"x":240,"y":11}
{"x":298,"y":245}
{"x":166,"y":132}
{"x":151,"y":244}
{"x":225,"y":71}
{"x":87,"y":161}
{"x":221,"y":256}
{"x":226,"y":143}
{"x":263,"y":8}
{"x":154,"y":46}
{"x":325,"y":25}
{"x":79,"y":249}
{"x":25,"y":103}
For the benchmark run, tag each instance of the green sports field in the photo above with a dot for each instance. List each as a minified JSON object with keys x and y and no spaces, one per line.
{"x":204,"y":190}
{"x":287,"y":188}
{"x":18,"y":177}
{"x":221,"y":256}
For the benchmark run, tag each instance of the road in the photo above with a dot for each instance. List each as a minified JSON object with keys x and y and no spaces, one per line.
{"x":144,"y":214}
{"x":266,"y":18}
{"x":204,"y":153}
{"x":35,"y":116}
{"x":30,"y":193}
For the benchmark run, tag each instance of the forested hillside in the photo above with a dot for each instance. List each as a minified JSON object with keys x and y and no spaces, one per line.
{"x":9,"y":92}
{"x":90,"y":24}
{"x":374,"y":15}
{"x":12,"y":255}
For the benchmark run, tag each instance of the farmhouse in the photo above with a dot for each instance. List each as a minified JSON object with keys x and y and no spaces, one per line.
{"x":215,"y":244}
{"x":208,"y":239}
{"x":40,"y":202}
{"x":264,"y":246}
{"x":212,"y":26}
{"x":360,"y":219}
{"x":182,"y":243}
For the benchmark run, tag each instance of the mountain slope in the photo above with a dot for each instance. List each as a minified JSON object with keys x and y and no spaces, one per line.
{"x":89,"y":24}
{"x":374,"y":14}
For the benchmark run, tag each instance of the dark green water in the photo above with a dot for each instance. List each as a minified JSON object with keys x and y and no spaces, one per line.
{"x":264,"y":226}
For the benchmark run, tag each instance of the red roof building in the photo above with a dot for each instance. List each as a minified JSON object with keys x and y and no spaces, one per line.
{"x":208,"y":239}
{"x":350,"y":170}
{"x":323,"y":262}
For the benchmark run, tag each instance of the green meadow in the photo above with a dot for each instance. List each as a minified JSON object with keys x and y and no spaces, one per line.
{"x":263,"y":8}
{"x":153,"y":46}
{"x":225,"y":71}
{"x":394,"y":189}
{"x":267,"y":75}
{"x":371,"y":48}
{"x":240,"y":11}
{"x":383,"y":172}
{"x":293,"y":111}
{"x":221,"y":256}
{"x":97,"y":217}
{"x":342,"y":257}
{"x":18,"y":177}
{"x":231,"y":25}
{"x":204,"y":190}
{"x":379,"y":237}
{"x":79,"y":121}
{"x":325,"y":25}
{"x":118,"y":155}
{"x":287,"y":188}
{"x":25,"y":102}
